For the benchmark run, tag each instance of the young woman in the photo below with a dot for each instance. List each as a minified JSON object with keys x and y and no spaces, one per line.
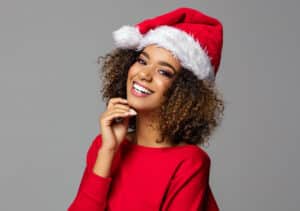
{"x":161,"y":103}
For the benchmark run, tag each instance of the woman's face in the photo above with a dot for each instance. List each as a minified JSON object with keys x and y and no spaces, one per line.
{"x":155,"y":70}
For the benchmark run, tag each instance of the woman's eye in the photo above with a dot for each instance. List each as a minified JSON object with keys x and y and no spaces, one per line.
{"x":141,"y":61}
{"x":166,"y":73}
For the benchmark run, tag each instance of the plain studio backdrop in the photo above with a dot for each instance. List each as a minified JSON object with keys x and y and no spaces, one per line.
{"x":50,"y":101}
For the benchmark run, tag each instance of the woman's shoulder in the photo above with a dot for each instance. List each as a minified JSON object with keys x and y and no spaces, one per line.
{"x":194,"y":159}
{"x":96,"y":142}
{"x":194,"y":154}
{"x":93,"y":149}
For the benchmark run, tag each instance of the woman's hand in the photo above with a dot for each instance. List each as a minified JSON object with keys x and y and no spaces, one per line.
{"x":114,"y":123}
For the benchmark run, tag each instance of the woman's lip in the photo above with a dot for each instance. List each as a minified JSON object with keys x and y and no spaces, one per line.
{"x":142,"y":86}
{"x":138,"y":94}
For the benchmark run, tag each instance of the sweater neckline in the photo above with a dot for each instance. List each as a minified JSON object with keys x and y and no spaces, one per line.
{"x":148,"y":148}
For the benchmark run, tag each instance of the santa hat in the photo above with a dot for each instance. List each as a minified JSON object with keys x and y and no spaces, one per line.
{"x":195,"y":38}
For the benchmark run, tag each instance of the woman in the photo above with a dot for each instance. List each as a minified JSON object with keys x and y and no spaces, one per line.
{"x":158,"y":82}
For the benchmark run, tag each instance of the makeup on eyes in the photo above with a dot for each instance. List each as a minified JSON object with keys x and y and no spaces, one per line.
{"x":167,"y":73}
{"x":163,"y":63}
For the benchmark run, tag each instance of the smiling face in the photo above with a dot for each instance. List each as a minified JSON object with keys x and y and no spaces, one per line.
{"x":149,"y":78}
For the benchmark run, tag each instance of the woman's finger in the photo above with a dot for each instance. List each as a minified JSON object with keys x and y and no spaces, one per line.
{"x":114,"y":114}
{"x":113,"y":101}
{"x":117,"y":110}
{"x":121,"y":106}
{"x":118,"y":115}
{"x":109,"y":118}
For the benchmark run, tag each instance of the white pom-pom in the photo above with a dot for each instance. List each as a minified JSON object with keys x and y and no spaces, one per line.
{"x":127,"y":37}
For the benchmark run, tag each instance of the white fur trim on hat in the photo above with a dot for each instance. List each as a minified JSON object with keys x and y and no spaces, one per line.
{"x":191,"y":55}
{"x":127,"y":37}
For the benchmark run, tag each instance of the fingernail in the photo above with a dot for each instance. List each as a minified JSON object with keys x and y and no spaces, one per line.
{"x":131,"y":111}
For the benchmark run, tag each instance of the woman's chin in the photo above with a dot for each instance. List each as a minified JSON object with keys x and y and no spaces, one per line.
{"x":141,"y":106}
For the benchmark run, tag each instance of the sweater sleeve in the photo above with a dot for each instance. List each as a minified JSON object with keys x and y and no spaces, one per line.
{"x":93,"y":189}
{"x":189,"y":188}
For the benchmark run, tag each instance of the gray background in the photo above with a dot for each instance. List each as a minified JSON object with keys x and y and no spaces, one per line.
{"x":50,"y":103}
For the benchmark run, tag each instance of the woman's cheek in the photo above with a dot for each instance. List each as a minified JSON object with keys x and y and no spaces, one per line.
{"x":132,"y":71}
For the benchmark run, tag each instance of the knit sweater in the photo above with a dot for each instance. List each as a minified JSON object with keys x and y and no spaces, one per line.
{"x":147,"y":179}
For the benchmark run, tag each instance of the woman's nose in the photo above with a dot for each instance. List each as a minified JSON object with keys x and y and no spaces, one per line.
{"x":146,"y":73}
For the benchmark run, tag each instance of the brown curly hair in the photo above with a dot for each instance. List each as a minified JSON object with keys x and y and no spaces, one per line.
{"x":192,"y":110}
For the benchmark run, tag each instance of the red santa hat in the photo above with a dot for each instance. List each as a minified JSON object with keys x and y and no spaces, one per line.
{"x":195,"y":38}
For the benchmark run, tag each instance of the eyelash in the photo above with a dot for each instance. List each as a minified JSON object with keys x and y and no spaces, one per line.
{"x":166,"y":73}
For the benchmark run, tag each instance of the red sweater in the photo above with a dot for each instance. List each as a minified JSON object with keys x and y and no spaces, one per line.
{"x":147,"y":178}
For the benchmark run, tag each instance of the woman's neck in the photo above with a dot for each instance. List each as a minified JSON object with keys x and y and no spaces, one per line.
{"x":147,"y":130}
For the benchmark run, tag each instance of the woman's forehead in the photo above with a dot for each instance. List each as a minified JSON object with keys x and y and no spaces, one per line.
{"x":159,"y":53}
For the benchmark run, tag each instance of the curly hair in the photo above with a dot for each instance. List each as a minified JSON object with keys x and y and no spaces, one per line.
{"x":192,"y":110}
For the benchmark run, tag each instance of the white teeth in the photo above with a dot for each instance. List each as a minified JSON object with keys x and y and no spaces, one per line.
{"x":141,"y":89}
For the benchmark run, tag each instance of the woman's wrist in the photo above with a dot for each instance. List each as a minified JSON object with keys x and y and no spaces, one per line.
{"x":103,"y":162}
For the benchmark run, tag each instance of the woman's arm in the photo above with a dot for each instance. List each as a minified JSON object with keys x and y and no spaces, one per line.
{"x":189,"y":188}
{"x":103,"y":162}
{"x":95,"y":183}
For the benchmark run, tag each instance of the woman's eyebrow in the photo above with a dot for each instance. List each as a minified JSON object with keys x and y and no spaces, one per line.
{"x":160,"y":62}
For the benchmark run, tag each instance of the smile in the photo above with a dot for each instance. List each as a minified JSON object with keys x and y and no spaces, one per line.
{"x":140,"y":91}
